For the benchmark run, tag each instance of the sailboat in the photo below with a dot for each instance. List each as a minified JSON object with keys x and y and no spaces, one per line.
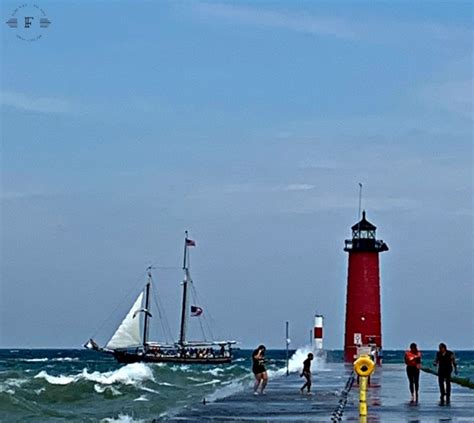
{"x":130,"y":343}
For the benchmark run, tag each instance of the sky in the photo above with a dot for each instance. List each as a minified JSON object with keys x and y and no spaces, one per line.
{"x":250,"y":124}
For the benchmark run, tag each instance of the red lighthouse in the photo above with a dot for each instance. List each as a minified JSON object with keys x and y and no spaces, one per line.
{"x":363,"y":317}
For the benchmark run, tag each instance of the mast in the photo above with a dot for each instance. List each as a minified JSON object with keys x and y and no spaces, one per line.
{"x":147,"y":313}
{"x":184,"y":304}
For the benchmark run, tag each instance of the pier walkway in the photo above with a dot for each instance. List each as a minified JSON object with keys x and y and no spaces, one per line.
{"x":388,"y":400}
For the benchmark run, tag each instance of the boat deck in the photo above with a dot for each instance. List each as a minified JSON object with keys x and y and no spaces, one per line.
{"x":388,"y":400}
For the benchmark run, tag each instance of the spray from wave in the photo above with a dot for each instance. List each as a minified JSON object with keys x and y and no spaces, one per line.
{"x":295,"y":363}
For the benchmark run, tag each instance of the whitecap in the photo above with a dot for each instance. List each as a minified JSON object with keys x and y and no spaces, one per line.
{"x":182,"y":367}
{"x":121,"y":418}
{"x":214,"y":372}
{"x":101,"y":389}
{"x":158,"y":364}
{"x":144,"y":388}
{"x":210,"y":382}
{"x":141,"y":398}
{"x":165,"y":384}
{"x":36,"y":360}
{"x":66,"y":359}
{"x":131,"y":374}
{"x":194,"y":379}
{"x":56,"y":380}
{"x":8,"y":384}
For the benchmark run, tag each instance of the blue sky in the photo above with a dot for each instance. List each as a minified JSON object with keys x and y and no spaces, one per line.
{"x":250,"y":124}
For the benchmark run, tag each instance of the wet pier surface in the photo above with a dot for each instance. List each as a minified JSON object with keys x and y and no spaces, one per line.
{"x":388,"y":400}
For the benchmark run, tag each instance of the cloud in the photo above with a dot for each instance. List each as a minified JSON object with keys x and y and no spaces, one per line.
{"x":48,"y":105}
{"x":299,"y":22}
{"x":451,"y":96}
{"x":295,"y":187}
{"x":249,"y":188}
{"x":372,"y":29}
{"x":317,"y":164}
{"x":328,"y":202}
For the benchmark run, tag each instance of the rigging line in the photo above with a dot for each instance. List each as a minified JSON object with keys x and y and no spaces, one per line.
{"x":163,"y":320}
{"x":198,"y":299}
{"x":208,"y":314}
{"x":193,"y":293}
{"x":159,"y":266}
{"x":209,"y":327}
{"x":161,"y":315}
{"x":203,"y":331}
{"x":159,"y":305}
{"x":120,"y":304}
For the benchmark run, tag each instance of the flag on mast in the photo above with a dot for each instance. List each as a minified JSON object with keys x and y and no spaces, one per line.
{"x":196,"y":311}
{"x":190,"y":243}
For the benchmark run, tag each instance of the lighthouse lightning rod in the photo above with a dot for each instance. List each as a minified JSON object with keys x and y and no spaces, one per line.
{"x":360,"y":200}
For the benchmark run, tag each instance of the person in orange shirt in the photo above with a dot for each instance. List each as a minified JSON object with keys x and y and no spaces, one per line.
{"x":413,"y":362}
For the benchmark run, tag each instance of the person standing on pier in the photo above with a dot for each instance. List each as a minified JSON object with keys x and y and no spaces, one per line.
{"x":307,"y":373}
{"x":259,"y":370}
{"x":413,"y":362}
{"x":446,"y":362}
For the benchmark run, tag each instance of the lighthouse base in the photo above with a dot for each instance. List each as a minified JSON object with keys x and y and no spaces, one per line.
{"x":351,"y":353}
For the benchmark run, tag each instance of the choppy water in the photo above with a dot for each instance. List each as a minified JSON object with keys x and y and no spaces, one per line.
{"x":83,"y":386}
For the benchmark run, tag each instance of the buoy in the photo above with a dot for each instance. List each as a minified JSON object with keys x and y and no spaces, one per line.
{"x":364,"y":366}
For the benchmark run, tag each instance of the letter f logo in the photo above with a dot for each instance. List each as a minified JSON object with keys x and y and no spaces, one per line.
{"x":28,"y":20}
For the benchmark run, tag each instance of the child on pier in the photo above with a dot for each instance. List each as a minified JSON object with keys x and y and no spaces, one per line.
{"x":307,"y":373}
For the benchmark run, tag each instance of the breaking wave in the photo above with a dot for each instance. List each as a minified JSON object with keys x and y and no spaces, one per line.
{"x":131,"y":374}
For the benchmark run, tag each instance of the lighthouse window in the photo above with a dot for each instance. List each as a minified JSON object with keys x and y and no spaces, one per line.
{"x":364,"y":234}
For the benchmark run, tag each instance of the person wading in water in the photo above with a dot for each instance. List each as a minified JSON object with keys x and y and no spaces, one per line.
{"x":413,"y":362}
{"x":258,"y":369}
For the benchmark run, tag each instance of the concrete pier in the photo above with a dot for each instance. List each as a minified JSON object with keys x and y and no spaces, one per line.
{"x":388,"y":400}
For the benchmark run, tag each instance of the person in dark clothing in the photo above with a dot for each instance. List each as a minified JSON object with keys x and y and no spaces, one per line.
{"x":307,"y":373}
{"x":413,"y":362}
{"x":258,"y":369}
{"x":446,"y":362}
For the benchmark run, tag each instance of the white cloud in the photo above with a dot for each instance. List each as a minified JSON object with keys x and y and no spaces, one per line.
{"x":300,"y":22}
{"x":373,"y":29}
{"x":248,"y":188}
{"x":317,"y":164}
{"x":296,"y":187}
{"x":451,"y":96}
{"x":36,"y":104}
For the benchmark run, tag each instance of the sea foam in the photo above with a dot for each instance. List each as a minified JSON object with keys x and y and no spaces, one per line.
{"x":55,"y":380}
{"x":131,"y":374}
{"x":121,"y":418}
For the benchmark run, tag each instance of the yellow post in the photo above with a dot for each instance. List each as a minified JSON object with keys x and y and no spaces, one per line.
{"x":363,"y":396}
{"x":364,"y":367}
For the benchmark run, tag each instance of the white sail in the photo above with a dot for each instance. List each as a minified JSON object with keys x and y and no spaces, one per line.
{"x":128,"y":333}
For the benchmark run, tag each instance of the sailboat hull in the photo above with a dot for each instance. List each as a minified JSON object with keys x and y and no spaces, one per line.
{"x":127,"y":357}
